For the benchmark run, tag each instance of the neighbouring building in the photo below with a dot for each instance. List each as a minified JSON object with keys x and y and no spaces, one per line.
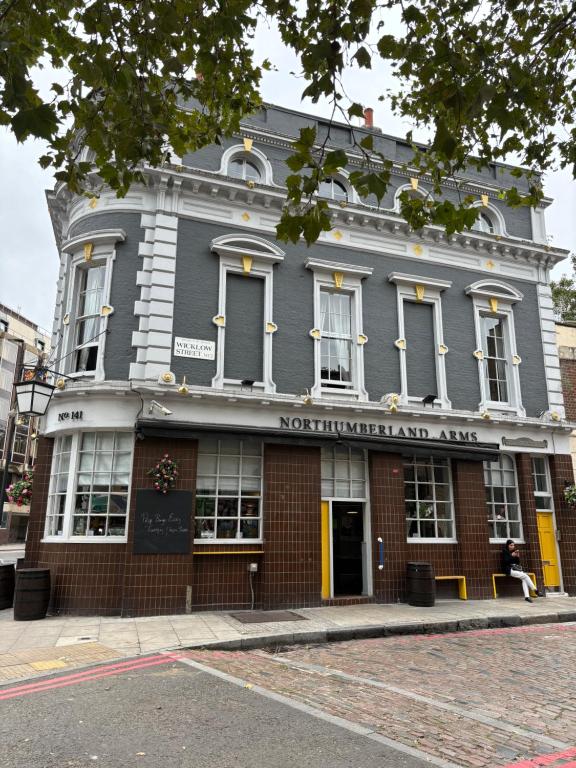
{"x":22,"y":342}
{"x":566,"y":340}
{"x":335,"y":412}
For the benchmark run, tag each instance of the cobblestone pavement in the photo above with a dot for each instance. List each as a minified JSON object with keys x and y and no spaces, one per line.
{"x":480,"y":699}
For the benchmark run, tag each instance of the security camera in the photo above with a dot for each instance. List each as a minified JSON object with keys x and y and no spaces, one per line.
{"x":163,"y":410}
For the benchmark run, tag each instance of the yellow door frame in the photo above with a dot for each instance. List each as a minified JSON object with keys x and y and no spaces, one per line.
{"x":326,"y":533}
{"x":549,"y":579}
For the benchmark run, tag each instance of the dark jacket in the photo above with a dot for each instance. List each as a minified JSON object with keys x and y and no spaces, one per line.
{"x":508,"y":561}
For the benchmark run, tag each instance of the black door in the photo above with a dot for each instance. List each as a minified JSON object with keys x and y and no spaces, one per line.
{"x":347,"y":538}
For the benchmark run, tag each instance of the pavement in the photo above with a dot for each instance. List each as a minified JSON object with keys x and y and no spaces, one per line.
{"x":28,"y":649}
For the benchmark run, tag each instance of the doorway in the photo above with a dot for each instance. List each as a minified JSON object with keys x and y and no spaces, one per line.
{"x":347,"y":548}
{"x":548,"y":550}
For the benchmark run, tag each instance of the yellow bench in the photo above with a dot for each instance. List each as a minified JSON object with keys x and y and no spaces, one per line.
{"x":462,"y":593}
{"x":496,"y":575}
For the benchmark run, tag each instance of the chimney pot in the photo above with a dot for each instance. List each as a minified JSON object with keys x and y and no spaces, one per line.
{"x":369,"y":117}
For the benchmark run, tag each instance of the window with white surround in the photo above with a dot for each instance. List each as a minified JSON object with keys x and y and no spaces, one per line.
{"x":336,"y":341}
{"x":542,"y":487}
{"x":58,"y":486}
{"x":343,"y":473}
{"x":89,"y":486}
{"x":87,"y":310}
{"x":3,"y":325}
{"x":428,"y":499}
{"x":240,"y":167}
{"x":251,"y":257}
{"x":87,"y":321}
{"x":484,"y":224}
{"x":420,"y":341}
{"x":229,"y":491}
{"x":247,"y":163}
{"x":504,"y":518}
{"x":498,"y":359}
{"x":333,"y":189}
{"x":337,"y":334}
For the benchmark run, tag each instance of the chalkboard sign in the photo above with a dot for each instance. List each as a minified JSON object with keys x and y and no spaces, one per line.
{"x":162,"y":522}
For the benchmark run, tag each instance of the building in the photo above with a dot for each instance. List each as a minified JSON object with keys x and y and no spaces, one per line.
{"x":335,"y":412}
{"x":22,"y":342}
{"x":566,"y":341}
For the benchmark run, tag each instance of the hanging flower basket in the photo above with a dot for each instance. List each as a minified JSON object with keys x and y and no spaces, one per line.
{"x":570,"y":494}
{"x":164,"y":474}
{"x":20,"y":492}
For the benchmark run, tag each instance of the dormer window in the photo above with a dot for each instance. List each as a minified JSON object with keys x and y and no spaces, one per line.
{"x":333,"y":190}
{"x":484,"y":224}
{"x":242,"y":168}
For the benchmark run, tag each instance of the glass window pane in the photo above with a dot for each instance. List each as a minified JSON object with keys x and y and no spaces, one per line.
{"x":249,"y":529}
{"x":227,"y":529}
{"x":229,"y":465}
{"x":103,"y":462}
{"x":204,"y":529}
{"x":229,"y":447}
{"x":205,"y":507}
{"x":116,"y":526}
{"x":104,"y":441}
{"x":88,"y":441}
{"x":122,"y":462}
{"x":327,"y":488}
{"x":358,"y":489}
{"x":118,"y":504}
{"x":124,"y":441}
{"x":251,"y":467}
{"x":250,"y":507}
{"x":251,"y":448}
{"x":207,"y":465}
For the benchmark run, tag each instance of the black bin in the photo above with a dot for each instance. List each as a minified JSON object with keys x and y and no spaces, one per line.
{"x":421,"y":585}
{"x":6,"y":586}
{"x":32,"y":593}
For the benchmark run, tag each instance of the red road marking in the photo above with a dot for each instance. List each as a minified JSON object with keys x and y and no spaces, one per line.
{"x":80,"y":677}
{"x":543,"y":760}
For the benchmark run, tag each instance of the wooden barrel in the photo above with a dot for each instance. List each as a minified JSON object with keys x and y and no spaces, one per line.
{"x":421,"y":585}
{"x":6,"y":586}
{"x":32,"y":593}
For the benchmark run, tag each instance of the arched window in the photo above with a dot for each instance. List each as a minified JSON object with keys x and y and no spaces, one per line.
{"x":333,"y":190}
{"x":240,"y":167}
{"x":484,"y":224}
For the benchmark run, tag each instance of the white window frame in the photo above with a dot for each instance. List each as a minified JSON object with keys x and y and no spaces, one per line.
{"x":429,"y":461}
{"x":409,"y":288}
{"x":67,"y":536}
{"x":496,"y":218}
{"x":347,"y":278}
{"x":255,"y":155}
{"x":334,"y":460}
{"x":486,"y":293}
{"x":489,"y":504}
{"x":238,"y":495}
{"x":103,"y":252}
{"x":420,"y":192}
{"x":548,"y":494}
{"x":250,"y":256}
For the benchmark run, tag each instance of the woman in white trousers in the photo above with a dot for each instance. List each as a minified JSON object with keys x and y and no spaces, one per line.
{"x":511,"y":566}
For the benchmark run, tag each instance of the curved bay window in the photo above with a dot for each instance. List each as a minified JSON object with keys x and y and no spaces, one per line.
{"x":89,"y":486}
{"x":504,"y":516}
{"x":229,"y":491}
{"x":428,"y":499}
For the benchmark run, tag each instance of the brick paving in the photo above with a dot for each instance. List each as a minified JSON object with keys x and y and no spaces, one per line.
{"x":483,"y":699}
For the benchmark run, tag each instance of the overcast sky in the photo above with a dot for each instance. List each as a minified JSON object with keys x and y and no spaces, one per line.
{"x":28,"y":256}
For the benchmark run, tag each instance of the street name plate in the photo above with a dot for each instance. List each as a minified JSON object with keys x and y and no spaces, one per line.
{"x":203,"y":350}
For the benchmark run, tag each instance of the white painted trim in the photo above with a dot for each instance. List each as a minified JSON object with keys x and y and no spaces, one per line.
{"x":104,"y":255}
{"x":498,"y":221}
{"x":400,"y":278}
{"x":506,"y":312}
{"x":322,"y":265}
{"x":263,"y":268}
{"x":105,"y":237}
{"x":256,"y":155}
{"x":351,"y":284}
{"x":550,"y":350}
{"x":520,"y":539}
{"x":420,"y":192}
{"x":405,"y":291}
{"x":495,"y":288}
{"x":236,"y":245}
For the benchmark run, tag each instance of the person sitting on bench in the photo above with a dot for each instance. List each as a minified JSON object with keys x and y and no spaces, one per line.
{"x":511,"y":567}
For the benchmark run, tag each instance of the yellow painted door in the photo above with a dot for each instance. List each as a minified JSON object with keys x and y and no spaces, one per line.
{"x":548,"y":549}
{"x":326,"y":533}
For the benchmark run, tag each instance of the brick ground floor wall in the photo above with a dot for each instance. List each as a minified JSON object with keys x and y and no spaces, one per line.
{"x":109,"y":579}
